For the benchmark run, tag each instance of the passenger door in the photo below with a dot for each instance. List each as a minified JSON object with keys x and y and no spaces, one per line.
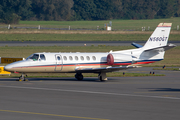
{"x":59,"y":62}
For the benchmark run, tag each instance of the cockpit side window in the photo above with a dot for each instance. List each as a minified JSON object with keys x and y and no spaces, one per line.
{"x":34,"y":57}
{"x":42,"y":57}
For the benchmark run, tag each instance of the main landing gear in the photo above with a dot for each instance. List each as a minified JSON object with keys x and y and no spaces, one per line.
{"x":23,"y":77}
{"x":102,"y":76}
{"x":79,"y":76}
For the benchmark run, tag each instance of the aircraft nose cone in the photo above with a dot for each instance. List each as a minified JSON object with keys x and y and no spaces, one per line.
{"x":8,"y":68}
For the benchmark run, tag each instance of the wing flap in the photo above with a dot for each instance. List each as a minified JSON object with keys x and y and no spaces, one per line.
{"x":103,"y":69}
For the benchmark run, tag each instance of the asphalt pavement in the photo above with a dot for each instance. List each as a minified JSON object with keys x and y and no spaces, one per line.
{"x":120,"y":98}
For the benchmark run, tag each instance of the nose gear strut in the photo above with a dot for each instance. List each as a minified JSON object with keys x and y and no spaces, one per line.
{"x":23,"y":77}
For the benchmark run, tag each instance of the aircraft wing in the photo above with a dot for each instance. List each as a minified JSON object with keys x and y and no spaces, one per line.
{"x":103,"y":69}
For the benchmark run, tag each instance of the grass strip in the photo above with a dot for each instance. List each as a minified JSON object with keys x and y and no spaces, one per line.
{"x":49,"y":75}
{"x":170,"y":69}
{"x":73,"y":37}
{"x":116,"y":24}
{"x":81,"y":37}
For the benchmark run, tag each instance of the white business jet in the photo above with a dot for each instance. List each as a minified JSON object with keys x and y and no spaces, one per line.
{"x":100,"y":63}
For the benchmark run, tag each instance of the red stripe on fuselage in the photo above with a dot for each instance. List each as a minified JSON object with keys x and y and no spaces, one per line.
{"x":164,"y":26}
{"x":145,"y":62}
{"x":64,"y":65}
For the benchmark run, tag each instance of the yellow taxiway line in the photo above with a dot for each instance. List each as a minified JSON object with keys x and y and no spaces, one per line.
{"x":67,"y":116}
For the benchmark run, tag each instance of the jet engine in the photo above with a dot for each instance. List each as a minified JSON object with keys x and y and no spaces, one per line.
{"x":114,"y":58}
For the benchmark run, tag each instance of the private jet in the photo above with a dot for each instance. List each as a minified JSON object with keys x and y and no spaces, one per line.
{"x":100,"y":63}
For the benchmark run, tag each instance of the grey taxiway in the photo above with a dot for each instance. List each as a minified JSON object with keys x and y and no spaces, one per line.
{"x":120,"y":98}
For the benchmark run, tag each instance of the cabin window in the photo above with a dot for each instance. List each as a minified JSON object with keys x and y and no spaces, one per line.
{"x":82,"y":58}
{"x":34,"y":57}
{"x":88,"y":58}
{"x":93,"y":57}
{"x":65,"y":58}
{"x":42,"y":57}
{"x":76,"y":57}
{"x":70,"y":57}
{"x":58,"y":58}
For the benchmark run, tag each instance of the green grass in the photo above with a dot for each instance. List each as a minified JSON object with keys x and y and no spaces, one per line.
{"x":171,"y":69}
{"x":72,"y":37}
{"x":57,"y":35}
{"x":80,"y":37}
{"x":116,"y":24}
{"x":112,"y":74}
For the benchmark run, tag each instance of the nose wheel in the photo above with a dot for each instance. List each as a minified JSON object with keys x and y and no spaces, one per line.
{"x":23,"y":78}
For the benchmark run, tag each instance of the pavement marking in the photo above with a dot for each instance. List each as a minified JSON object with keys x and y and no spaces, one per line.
{"x":55,"y":115}
{"x":168,"y":95}
{"x":92,"y":92}
{"x":158,"y":92}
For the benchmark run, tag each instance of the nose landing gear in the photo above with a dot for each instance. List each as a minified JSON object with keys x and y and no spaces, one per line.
{"x":22,"y":77}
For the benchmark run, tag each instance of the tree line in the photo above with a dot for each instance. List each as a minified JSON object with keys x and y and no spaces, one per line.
{"x":11,"y":11}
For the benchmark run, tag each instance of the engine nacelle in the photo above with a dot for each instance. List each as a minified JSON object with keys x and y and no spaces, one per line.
{"x":117,"y":58}
{"x":110,"y":59}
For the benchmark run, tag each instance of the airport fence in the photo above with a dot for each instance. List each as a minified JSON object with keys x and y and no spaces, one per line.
{"x":56,"y":27}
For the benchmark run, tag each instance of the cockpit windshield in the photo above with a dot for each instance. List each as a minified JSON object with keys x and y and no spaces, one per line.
{"x":34,"y":57}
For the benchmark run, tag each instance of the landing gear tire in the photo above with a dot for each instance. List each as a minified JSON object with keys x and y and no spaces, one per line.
{"x":102,"y":80}
{"x":102,"y":77}
{"x":26,"y":80}
{"x":22,"y":78}
{"x":19,"y":80}
{"x":79,"y":76}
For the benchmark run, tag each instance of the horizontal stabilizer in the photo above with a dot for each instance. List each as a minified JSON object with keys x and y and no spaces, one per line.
{"x":164,"y":48}
{"x":103,"y":69}
{"x":136,"y":45}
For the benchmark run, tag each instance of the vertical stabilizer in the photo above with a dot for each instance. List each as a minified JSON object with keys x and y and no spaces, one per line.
{"x":159,"y":37}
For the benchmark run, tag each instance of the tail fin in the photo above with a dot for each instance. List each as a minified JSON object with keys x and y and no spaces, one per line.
{"x":160,"y":36}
